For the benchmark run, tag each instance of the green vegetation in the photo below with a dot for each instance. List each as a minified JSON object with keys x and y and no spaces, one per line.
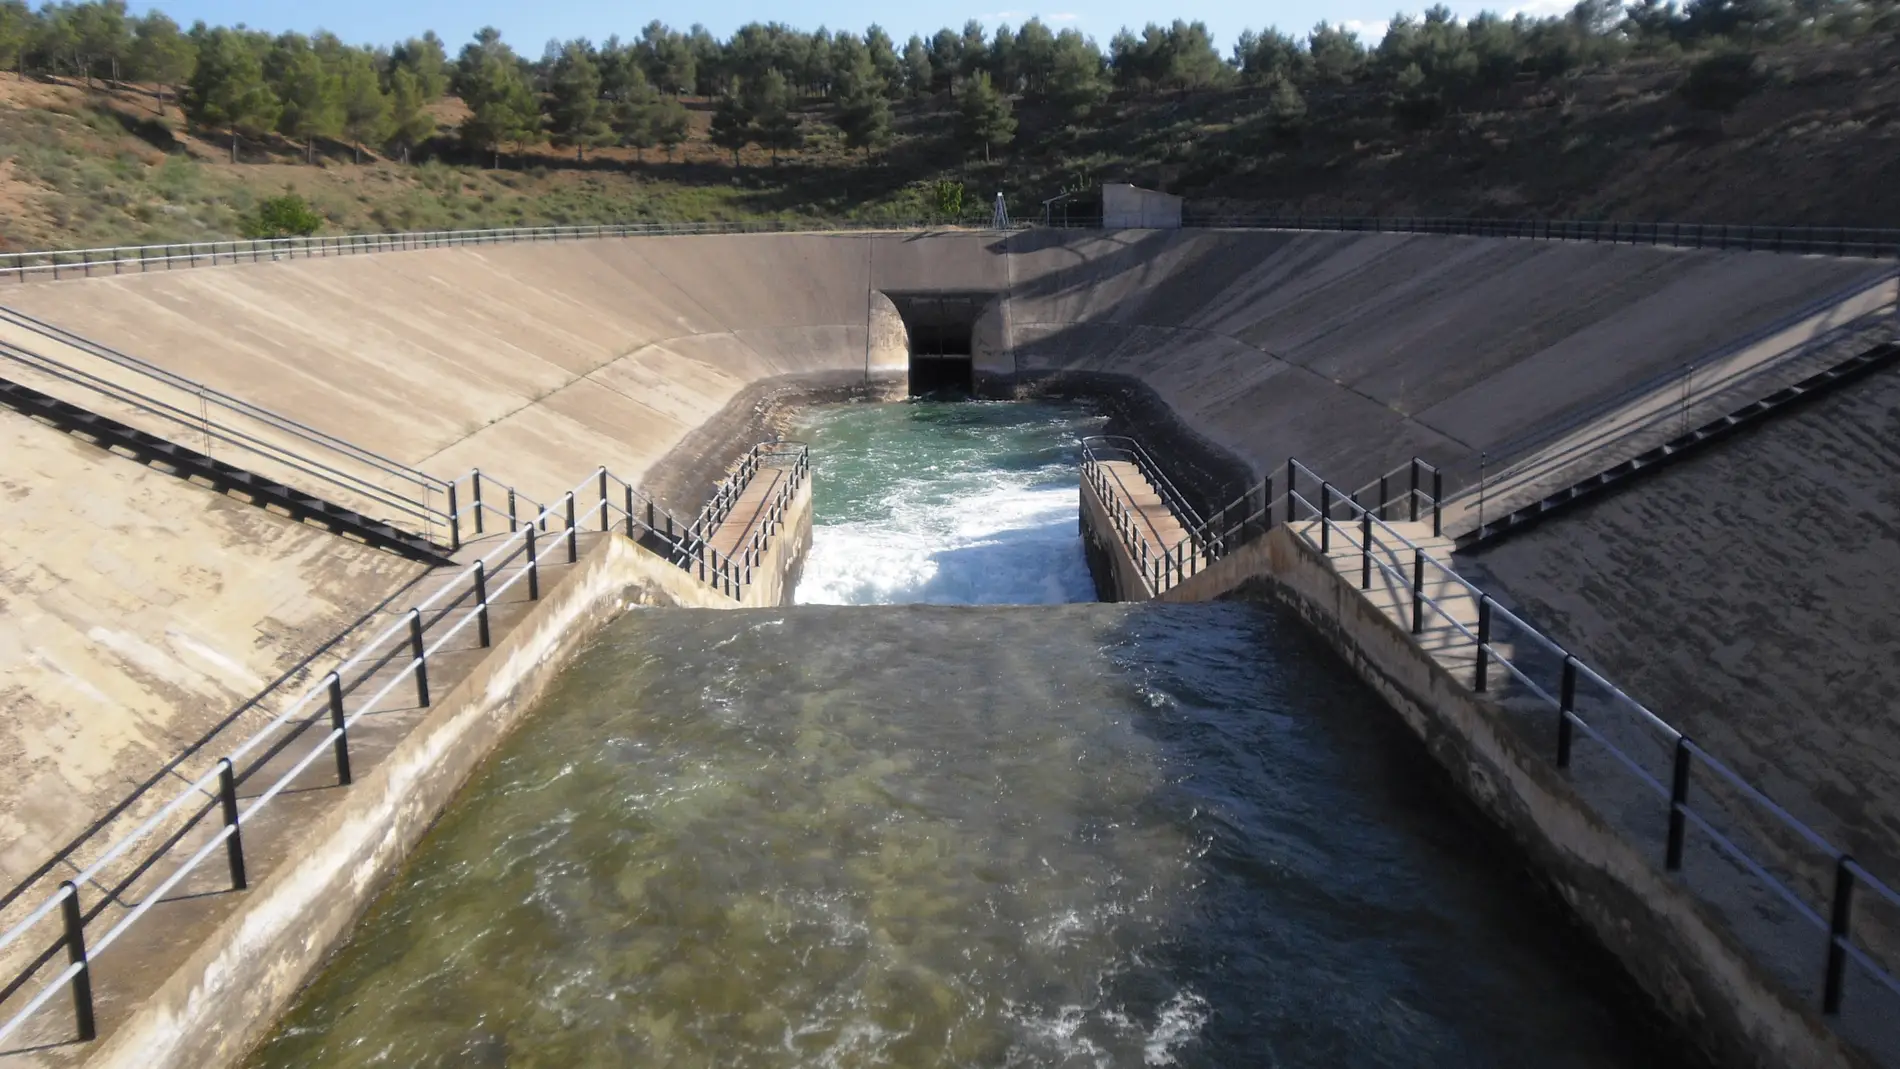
{"x":120,"y":127}
{"x":281,"y":217}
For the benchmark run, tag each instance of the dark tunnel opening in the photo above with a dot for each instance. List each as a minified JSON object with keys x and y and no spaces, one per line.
{"x":942,"y":330}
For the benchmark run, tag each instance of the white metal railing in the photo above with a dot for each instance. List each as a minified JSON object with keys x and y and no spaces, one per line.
{"x":131,"y":259}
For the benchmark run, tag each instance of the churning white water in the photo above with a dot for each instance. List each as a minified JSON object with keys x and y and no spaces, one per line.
{"x":946,"y":503}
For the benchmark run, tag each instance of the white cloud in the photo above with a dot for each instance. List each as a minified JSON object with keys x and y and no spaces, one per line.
{"x":1369,"y":31}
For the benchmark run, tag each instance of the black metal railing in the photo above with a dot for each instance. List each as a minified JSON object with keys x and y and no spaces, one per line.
{"x":272,"y":445}
{"x":532,"y":535}
{"x":1879,"y":242}
{"x":1698,"y":793}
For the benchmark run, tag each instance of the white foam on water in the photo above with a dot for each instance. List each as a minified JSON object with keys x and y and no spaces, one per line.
{"x":1181,"y":1020}
{"x":1014,"y":542}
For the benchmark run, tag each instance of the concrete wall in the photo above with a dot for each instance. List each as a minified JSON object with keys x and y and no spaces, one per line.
{"x":537,"y":362}
{"x":1126,"y":207}
{"x":136,"y":611}
{"x":1747,"y":595}
{"x":1357,"y":351}
{"x":1671,"y":942}
{"x":232,"y":989}
{"x":534,"y":362}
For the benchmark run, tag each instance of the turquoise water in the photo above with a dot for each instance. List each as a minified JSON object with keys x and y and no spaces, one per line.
{"x":951,"y":503}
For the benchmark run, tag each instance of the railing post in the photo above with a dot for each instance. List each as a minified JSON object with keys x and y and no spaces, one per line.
{"x":420,"y":655}
{"x":1840,"y":930}
{"x":534,"y":569}
{"x":1365,"y":549}
{"x":1418,"y":591}
{"x":481,"y":603}
{"x":455,"y":521}
{"x":1382,"y":493}
{"x":1325,"y":517}
{"x":573,"y":533}
{"x":629,"y":489}
{"x":1484,"y":642}
{"x":1566,"y":706}
{"x":342,"y":744}
{"x":475,"y":484}
{"x":76,"y":955}
{"x":234,"y":843}
{"x":1678,"y":802}
{"x":1289,"y":490}
{"x":513,"y":524}
{"x":603,"y":500}
{"x":1438,"y":498}
{"x":1266,"y":504}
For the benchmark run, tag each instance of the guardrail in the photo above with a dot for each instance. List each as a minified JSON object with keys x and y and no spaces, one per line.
{"x":405,"y":645}
{"x":384,"y":489}
{"x":132,"y":259}
{"x":1877,"y":242}
{"x":1658,"y":757}
{"x":1687,"y":387}
{"x":1814,"y":885}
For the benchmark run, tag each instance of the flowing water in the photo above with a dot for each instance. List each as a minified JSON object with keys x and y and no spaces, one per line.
{"x":970,"y":503}
{"x":1071,"y":835}
{"x":1083,"y":835}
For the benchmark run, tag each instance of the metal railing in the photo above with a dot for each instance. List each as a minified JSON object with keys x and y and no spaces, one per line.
{"x":406,"y":646}
{"x":1877,"y":242}
{"x":133,"y":259}
{"x":1738,"y":820}
{"x":1684,"y":388}
{"x":1799,"y":880}
{"x":383,"y":489}
{"x":1165,"y":564}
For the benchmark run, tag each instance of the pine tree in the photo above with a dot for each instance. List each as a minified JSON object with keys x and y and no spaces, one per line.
{"x":865,"y":119}
{"x":161,"y":54}
{"x":732,"y":125}
{"x":984,"y":116}
{"x":670,"y":125}
{"x":1286,"y":108}
{"x":501,"y":106}
{"x":576,"y":116}
{"x":311,"y":94}
{"x":427,"y":61}
{"x":917,"y":76}
{"x":16,"y":29}
{"x":365,"y":108}
{"x":775,"y":127}
{"x":228,"y":88}
{"x":409,"y":124}
{"x":1077,"y":82}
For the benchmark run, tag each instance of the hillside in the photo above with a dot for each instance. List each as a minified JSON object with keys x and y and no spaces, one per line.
{"x":1818,"y":143}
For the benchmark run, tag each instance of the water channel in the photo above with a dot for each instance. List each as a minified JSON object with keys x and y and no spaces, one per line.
{"x":961,"y":835}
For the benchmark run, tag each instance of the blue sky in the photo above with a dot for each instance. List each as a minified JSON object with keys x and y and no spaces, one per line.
{"x":530,"y":24}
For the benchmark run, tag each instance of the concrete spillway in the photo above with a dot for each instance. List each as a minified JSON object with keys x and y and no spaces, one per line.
{"x":662,"y":357}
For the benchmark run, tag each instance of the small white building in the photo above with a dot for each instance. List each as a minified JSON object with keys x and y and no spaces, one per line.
{"x":1126,"y":207}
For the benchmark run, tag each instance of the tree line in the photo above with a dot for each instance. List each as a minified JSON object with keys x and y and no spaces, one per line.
{"x":578,"y":95}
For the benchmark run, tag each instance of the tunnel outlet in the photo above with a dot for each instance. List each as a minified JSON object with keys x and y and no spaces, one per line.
{"x":941,"y":327}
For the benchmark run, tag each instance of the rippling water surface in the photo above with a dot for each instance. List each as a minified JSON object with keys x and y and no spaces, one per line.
{"x":1081,"y":835}
{"x":950,"y":503}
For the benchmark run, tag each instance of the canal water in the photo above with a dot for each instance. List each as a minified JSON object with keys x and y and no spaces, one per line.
{"x":1070,"y":835}
{"x":970,"y":503}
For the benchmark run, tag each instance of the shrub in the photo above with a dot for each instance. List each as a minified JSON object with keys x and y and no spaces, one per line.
{"x":1721,"y":82}
{"x":287,"y":216}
